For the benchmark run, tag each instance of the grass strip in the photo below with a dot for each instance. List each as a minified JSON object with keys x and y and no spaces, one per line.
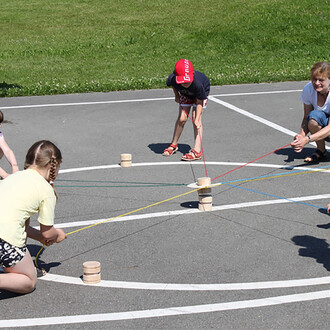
{"x":78,"y":46}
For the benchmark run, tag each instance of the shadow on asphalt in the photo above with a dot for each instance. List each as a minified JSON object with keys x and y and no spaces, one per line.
{"x":314,"y":248}
{"x":34,"y":249}
{"x":190,"y":205}
{"x":158,"y":148}
{"x":292,"y":155}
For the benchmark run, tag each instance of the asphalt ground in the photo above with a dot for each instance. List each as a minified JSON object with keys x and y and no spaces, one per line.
{"x":259,"y":260}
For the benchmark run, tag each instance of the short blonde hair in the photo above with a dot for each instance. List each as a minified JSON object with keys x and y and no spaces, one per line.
{"x":322,"y":68}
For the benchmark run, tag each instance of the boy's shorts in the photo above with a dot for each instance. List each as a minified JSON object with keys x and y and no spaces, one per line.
{"x":187,"y":102}
{"x":319,"y":116}
{"x":10,"y":255}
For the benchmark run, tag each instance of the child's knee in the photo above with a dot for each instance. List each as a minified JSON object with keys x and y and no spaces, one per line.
{"x":182,"y":122}
{"x":31,"y":282}
{"x":30,"y":285}
{"x":31,"y":288}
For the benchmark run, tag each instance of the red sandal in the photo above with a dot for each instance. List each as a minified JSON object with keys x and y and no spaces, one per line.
{"x":192,"y":155}
{"x":170,"y":150}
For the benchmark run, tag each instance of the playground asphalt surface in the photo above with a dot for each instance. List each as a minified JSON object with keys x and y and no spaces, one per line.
{"x":160,"y":254}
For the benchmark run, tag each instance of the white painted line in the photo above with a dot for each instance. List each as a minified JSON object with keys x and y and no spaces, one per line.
{"x":254,"y":117}
{"x":258,"y":93}
{"x":170,"y":311}
{"x":127,"y":101}
{"x":191,"y":211}
{"x":90,"y":168}
{"x":190,"y":287}
{"x":180,"y":163}
{"x":83,"y":103}
{"x":257,"y":118}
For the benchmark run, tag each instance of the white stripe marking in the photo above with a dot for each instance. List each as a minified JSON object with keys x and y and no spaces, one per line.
{"x":179,"y":163}
{"x":257,"y":118}
{"x":171,"y":311}
{"x":191,"y":211}
{"x":127,"y":101}
{"x":258,"y":93}
{"x":83,"y":103}
{"x":190,"y":287}
{"x":252,"y":116}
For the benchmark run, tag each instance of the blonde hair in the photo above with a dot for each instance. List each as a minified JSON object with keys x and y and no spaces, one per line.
{"x":42,"y":154}
{"x":322,"y":68}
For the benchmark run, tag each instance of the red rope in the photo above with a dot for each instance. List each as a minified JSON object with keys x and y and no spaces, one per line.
{"x":252,"y":161}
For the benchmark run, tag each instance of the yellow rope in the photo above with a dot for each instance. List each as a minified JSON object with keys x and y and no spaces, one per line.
{"x":119,"y":216}
{"x":169,"y":199}
{"x":140,"y":209}
{"x":36,"y":259}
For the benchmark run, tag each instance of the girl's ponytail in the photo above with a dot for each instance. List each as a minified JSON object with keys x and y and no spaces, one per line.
{"x":41,"y":154}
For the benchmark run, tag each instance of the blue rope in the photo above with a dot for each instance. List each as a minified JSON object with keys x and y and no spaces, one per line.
{"x":274,"y":175}
{"x":265,"y":194}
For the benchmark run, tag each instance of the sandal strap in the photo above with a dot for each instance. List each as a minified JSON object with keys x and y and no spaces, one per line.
{"x":197,"y":154}
{"x":192,"y":155}
{"x":174,"y":146}
{"x":170,"y":150}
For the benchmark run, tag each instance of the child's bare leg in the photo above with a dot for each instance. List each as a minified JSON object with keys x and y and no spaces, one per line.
{"x":198,"y":133}
{"x":21,"y":278}
{"x":180,"y":122}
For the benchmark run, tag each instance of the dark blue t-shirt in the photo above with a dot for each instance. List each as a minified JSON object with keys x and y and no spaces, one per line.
{"x":200,"y":87}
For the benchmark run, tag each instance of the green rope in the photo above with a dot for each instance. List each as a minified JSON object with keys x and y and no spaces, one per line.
{"x":117,"y":184}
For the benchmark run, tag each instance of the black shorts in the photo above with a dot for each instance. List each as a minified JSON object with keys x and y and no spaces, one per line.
{"x":10,"y":255}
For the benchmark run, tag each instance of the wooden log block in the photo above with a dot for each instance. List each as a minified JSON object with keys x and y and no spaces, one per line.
{"x":204,"y":194}
{"x":205,"y":181}
{"x":92,"y":272}
{"x":125,"y":160}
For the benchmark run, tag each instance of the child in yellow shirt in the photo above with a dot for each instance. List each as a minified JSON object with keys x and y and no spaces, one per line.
{"x":23,"y":194}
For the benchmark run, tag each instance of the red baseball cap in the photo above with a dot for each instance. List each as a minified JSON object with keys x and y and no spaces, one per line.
{"x":184,"y":71}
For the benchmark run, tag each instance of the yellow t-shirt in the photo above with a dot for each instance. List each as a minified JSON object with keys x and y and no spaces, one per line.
{"x":23,"y":194}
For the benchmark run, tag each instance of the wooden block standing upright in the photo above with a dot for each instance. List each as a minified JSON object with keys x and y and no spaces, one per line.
{"x":125,"y":160}
{"x":204,"y":194}
{"x":92,"y":272}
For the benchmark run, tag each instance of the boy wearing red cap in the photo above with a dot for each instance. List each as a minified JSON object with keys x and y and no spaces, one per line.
{"x":191,"y":89}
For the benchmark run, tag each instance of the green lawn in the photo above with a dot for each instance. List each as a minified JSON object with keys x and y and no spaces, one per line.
{"x":69,"y":46}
